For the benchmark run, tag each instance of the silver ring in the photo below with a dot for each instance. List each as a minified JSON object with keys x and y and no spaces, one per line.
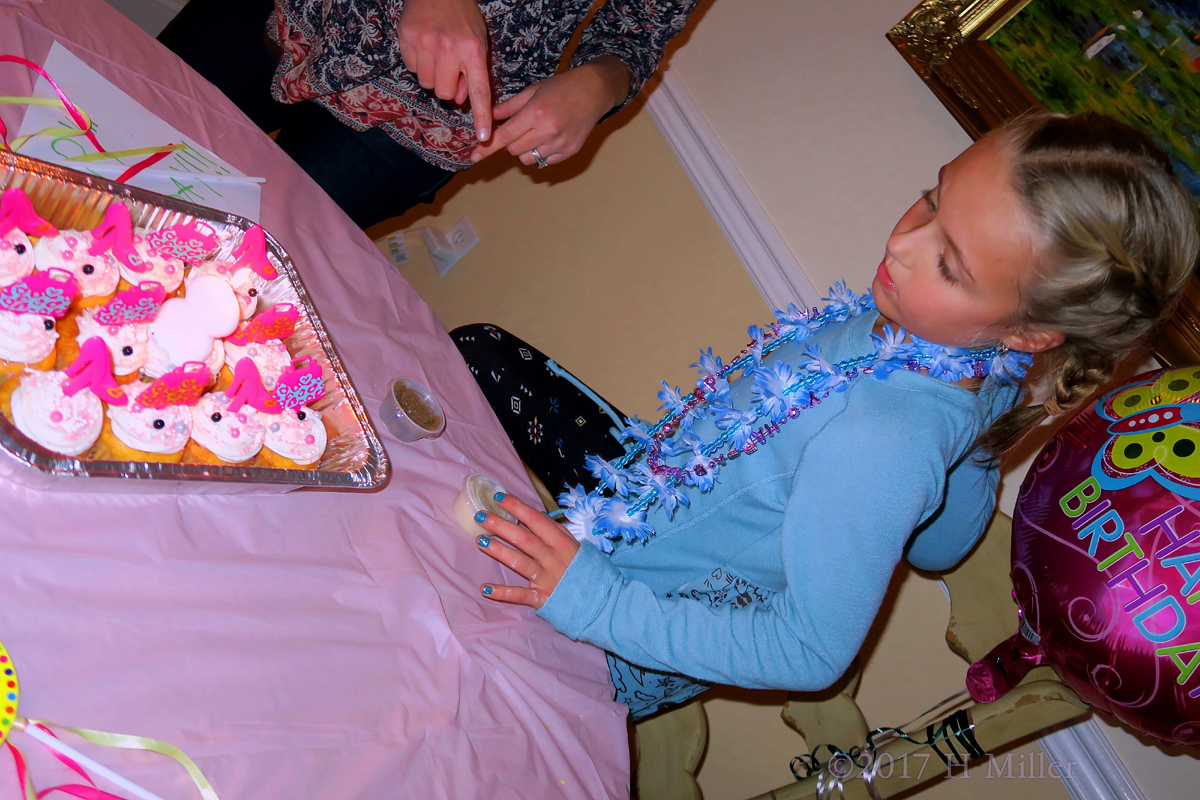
{"x":541,"y":162}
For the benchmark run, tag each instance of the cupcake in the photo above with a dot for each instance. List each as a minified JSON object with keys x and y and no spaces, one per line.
{"x":190,"y":328}
{"x":134,"y":432}
{"x":127,"y":344}
{"x":157,"y":265}
{"x":16,"y":256}
{"x":271,"y":357}
{"x":97,"y":276}
{"x":38,"y":406}
{"x":295,"y":439}
{"x":223,"y":437}
{"x":27,"y":340}
{"x":241,"y":279}
{"x":158,"y":360}
{"x":17,"y":221}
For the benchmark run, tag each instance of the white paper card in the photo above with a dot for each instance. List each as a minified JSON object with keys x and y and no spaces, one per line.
{"x":121,"y":123}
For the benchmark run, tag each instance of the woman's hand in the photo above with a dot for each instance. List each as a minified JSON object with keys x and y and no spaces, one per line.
{"x":557,"y":115}
{"x":445,"y":43}
{"x":543,"y":551}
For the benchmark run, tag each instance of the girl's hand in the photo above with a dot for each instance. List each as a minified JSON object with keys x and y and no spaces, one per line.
{"x":543,"y":551}
{"x":557,"y":115}
{"x":445,"y":44}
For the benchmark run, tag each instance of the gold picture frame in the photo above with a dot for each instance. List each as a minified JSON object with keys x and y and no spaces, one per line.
{"x":946,"y":43}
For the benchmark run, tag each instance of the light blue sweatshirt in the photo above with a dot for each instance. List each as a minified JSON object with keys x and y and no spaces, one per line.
{"x":802,"y":535}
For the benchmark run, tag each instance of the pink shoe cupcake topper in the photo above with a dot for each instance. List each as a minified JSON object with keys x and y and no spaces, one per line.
{"x":277,"y":322}
{"x":17,"y":212}
{"x":93,"y":370}
{"x":252,"y":253}
{"x":116,"y":233}
{"x":137,"y":304}
{"x":182,"y":386}
{"x":247,"y":388}
{"x":187,"y":242}
{"x":48,"y":293}
{"x":300,"y":385}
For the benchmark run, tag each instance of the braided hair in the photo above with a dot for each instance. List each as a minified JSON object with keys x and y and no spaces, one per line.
{"x":1120,"y":246}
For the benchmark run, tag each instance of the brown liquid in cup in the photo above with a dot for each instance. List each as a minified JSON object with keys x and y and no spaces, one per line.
{"x":416,"y":408}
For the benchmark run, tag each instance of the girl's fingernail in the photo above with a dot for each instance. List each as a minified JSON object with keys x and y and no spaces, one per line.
{"x":499,"y":498}
{"x":483,"y":134}
{"x":483,"y":541}
{"x":481,"y":516}
{"x":487,"y":589}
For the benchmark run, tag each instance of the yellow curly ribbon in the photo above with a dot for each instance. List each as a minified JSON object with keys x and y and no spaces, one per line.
{"x":15,"y":145}
{"x":128,"y":742}
{"x":137,"y":151}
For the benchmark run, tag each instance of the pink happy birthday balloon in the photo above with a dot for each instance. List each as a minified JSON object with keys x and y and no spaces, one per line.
{"x":1106,"y":560}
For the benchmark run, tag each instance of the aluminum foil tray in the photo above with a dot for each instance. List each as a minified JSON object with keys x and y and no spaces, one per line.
{"x":354,"y":458}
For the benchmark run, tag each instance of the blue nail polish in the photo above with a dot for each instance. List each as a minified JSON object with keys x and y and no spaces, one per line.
{"x":483,"y":541}
{"x":487,"y":589}
{"x":481,"y":516}
{"x":499,"y":498}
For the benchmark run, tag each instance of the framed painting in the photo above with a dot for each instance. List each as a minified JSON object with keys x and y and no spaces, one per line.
{"x":1136,"y":60}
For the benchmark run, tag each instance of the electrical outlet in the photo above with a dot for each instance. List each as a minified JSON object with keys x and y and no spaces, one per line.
{"x":447,"y":249}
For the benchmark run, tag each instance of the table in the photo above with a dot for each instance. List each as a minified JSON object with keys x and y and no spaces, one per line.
{"x":308,"y":645}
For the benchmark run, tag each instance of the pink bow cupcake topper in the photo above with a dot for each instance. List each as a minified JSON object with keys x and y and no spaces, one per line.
{"x":277,"y":322}
{"x":17,"y":212}
{"x":116,"y":233}
{"x":182,"y":386}
{"x":187,"y":242}
{"x":247,"y":388}
{"x":252,"y":253}
{"x":93,"y":370}
{"x":300,"y":385}
{"x":47,"y":293}
{"x":136,"y":304}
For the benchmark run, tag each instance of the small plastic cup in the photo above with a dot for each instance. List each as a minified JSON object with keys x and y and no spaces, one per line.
{"x":478,"y":494}
{"x":411,"y":412}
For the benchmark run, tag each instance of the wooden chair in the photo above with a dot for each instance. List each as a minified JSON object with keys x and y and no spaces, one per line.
{"x":982,"y":615}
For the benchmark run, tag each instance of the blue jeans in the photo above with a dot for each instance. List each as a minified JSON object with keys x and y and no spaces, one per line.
{"x":369,"y":174}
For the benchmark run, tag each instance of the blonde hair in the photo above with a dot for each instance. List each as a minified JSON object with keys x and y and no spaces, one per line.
{"x":1120,"y":246}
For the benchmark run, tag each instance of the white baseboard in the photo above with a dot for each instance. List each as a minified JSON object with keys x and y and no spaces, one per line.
{"x":779,"y":277}
{"x":1099,"y":773}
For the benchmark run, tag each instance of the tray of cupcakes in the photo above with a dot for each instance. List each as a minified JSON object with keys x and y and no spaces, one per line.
{"x":171,"y":346}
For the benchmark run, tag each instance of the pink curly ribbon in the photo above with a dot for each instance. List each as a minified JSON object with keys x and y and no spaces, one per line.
{"x":27,"y":790}
{"x":78,"y":117}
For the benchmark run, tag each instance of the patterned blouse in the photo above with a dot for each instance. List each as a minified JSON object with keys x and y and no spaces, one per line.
{"x":344,"y":54}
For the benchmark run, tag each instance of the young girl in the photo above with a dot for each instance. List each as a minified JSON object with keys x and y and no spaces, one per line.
{"x":749,"y":538}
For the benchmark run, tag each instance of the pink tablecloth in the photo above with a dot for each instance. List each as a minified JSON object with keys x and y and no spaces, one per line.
{"x":308,"y":645}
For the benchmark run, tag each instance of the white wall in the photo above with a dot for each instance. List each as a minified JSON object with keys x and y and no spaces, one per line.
{"x":836,"y":136}
{"x":833,"y":131}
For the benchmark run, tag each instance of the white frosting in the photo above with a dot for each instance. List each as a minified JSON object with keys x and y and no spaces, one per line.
{"x":69,"y":250}
{"x":271,"y":358}
{"x":166,"y":270}
{"x":67,"y":425}
{"x":134,"y":424}
{"x":135,"y":336}
{"x":185,"y":327}
{"x":235,"y":438}
{"x":245,"y":284}
{"x":15,"y":265}
{"x":301,"y":440}
{"x":23,"y":337}
{"x":159,"y":363}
